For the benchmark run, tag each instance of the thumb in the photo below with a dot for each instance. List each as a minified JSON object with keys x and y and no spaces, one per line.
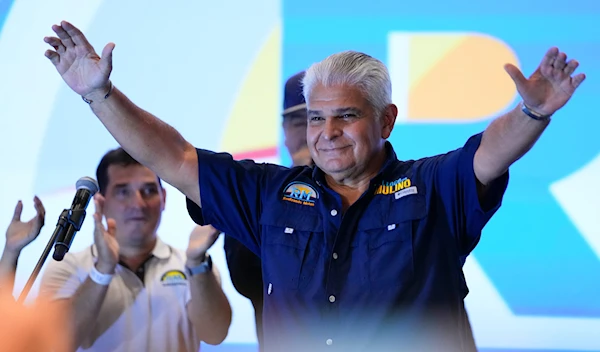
{"x":515,"y":74}
{"x":18,"y":211}
{"x":106,"y":59}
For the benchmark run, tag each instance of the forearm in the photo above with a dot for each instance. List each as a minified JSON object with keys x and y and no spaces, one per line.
{"x":8,"y":268}
{"x":85,"y":307}
{"x":505,"y":141}
{"x":209,"y":310}
{"x":149,"y":140}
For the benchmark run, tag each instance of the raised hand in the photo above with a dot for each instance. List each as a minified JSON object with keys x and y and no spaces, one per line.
{"x":551,"y":85}
{"x":77,"y":62}
{"x":104,"y":239}
{"x":19,"y":234}
{"x":201,"y":239}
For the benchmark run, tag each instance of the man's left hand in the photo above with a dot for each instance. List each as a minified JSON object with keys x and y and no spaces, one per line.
{"x":551,"y":85}
{"x":201,"y":239}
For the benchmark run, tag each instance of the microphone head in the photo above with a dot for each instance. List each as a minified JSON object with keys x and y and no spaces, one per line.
{"x":87,"y":183}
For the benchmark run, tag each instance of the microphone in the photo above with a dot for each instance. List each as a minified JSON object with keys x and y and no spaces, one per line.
{"x":70,"y":220}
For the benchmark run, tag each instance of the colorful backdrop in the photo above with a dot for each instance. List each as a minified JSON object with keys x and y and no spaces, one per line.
{"x":215,"y":72}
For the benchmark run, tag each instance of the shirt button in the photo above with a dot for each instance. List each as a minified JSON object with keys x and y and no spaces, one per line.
{"x":332,"y":298}
{"x":329,"y":342}
{"x":335,"y":256}
{"x":333,"y":212}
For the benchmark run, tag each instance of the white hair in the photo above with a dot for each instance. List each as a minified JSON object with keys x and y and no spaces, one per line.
{"x":353,"y":69}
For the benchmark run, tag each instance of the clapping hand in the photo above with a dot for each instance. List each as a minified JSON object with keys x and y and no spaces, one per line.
{"x":201,"y":239}
{"x":104,"y":239}
{"x":19,"y":234}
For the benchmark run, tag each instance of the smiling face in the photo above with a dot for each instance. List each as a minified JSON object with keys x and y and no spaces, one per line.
{"x":135,"y":200}
{"x":345,"y":135}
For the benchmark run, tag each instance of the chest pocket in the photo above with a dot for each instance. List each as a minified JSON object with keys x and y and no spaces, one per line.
{"x":290,"y":248}
{"x":389,"y":237}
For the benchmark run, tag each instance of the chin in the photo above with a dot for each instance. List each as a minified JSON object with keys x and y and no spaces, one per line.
{"x":336,"y":168}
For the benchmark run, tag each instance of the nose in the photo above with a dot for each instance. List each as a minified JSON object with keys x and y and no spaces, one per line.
{"x":331,"y":129}
{"x":137,"y":201}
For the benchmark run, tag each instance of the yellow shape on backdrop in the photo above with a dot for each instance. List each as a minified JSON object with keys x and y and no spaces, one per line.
{"x":426,"y":50}
{"x":464,"y":80}
{"x":254,"y":121}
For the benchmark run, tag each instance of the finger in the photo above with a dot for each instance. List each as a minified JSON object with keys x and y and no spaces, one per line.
{"x":56,"y":44}
{"x":39,"y":206}
{"x":576,"y":81}
{"x":112,"y":227}
{"x":64,"y":36}
{"x":53,"y":56}
{"x":549,"y":58}
{"x":214,"y":237}
{"x":106,"y":59}
{"x":41,"y":211}
{"x":76,"y":35}
{"x":515,"y":74}
{"x":98,"y":225}
{"x":99,"y":203}
{"x":18,"y":211}
{"x":571,"y":67}
{"x":560,"y":62}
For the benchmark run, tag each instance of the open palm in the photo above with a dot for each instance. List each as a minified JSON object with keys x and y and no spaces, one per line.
{"x":19,"y":234}
{"x":551,"y":85}
{"x":76,"y":60}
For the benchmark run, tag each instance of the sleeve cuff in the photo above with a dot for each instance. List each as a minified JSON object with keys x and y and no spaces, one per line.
{"x":494,"y":192}
{"x":483,"y":208}
{"x":195,"y":212}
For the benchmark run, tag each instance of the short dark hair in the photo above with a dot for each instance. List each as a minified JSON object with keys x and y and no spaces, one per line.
{"x":114,"y":157}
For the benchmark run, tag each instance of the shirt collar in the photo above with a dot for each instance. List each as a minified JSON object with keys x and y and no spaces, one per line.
{"x":319,"y":176}
{"x":161,"y":250}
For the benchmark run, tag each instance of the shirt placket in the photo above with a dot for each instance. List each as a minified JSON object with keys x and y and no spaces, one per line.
{"x":332,"y":214}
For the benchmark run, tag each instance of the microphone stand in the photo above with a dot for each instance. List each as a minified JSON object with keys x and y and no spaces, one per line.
{"x":64,"y":220}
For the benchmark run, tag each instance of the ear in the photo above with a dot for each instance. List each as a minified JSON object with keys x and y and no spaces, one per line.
{"x":388,"y":120}
{"x":163,"y":195}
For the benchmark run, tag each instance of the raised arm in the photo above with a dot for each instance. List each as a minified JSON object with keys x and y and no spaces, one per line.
{"x":149,"y":140}
{"x":510,"y":136}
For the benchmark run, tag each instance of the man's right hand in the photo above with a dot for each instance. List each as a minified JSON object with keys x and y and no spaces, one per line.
{"x":104,"y":239}
{"x":19,"y":234}
{"x":77,"y":62}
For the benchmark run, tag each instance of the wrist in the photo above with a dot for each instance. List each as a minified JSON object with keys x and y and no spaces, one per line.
{"x":105,"y":269}
{"x":11,"y":255}
{"x":99,"y":94}
{"x":196,"y":261}
{"x":534,"y":113}
{"x":100,"y":278}
{"x":194,"y":268}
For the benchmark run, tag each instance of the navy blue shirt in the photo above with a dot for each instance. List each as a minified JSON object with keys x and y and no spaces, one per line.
{"x":384,"y":275}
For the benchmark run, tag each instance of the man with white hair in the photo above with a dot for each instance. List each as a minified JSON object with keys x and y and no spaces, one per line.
{"x":363,"y":252}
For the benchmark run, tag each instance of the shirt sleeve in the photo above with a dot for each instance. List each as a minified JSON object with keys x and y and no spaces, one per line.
{"x":61,"y":279}
{"x":231,"y":196}
{"x":456,"y":186}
